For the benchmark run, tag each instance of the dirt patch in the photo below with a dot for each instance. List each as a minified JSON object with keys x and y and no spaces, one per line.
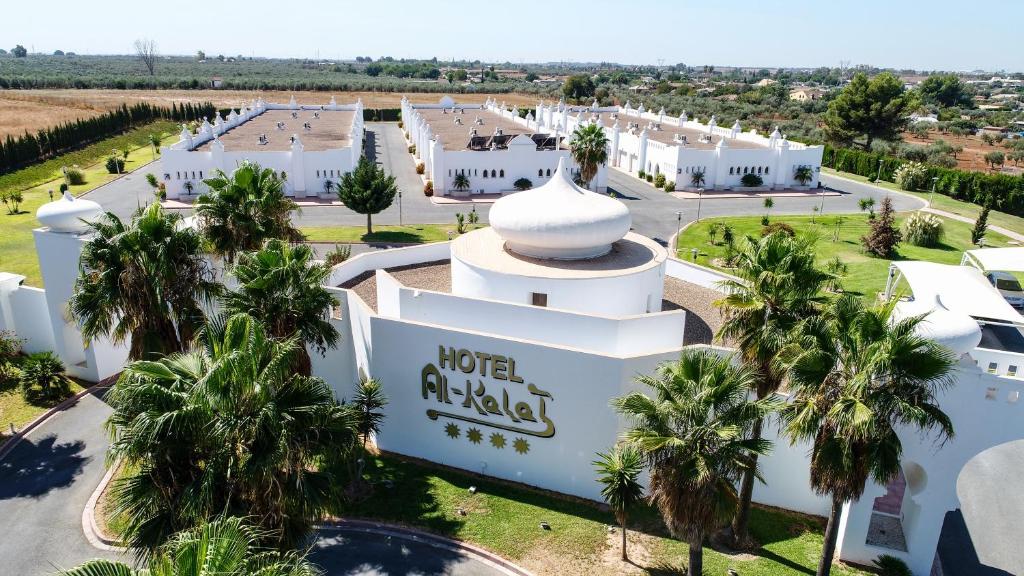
{"x":20,"y":114}
{"x":973,"y":155}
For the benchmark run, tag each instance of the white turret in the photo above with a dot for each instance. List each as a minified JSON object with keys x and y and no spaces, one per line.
{"x":69,"y":214}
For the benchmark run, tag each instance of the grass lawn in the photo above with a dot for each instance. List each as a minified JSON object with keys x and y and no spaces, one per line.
{"x":866,"y":274}
{"x":17,"y":247}
{"x":505,"y":519}
{"x":14,"y":409}
{"x":942,"y":202}
{"x":412,"y":234}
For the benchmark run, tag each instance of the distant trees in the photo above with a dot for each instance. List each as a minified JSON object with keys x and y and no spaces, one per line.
{"x":578,"y":87}
{"x":200,"y":55}
{"x":58,"y":52}
{"x":945,"y":90}
{"x":373,"y":70}
{"x":869,"y":109}
{"x":367,"y":190}
{"x":995,"y":159}
{"x":145,"y":50}
{"x":19,"y":51}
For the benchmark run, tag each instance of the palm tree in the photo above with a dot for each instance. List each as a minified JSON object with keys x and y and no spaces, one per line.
{"x":778,"y":286}
{"x":692,"y":436}
{"x":283,"y":288}
{"x":143,"y":282}
{"x":857,"y":374}
{"x":368,"y":400}
{"x":225,"y":547}
{"x":618,"y":470}
{"x":461,"y":182}
{"x":803,"y":174}
{"x":589,"y":149}
{"x":242,"y":211}
{"x":697,"y":178}
{"x":226,"y":428}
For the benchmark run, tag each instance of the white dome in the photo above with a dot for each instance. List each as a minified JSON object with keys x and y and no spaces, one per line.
{"x":954,"y":330}
{"x":559,"y":220}
{"x":69,"y":214}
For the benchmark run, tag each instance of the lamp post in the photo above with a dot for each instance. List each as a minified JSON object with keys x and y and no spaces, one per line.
{"x":400,"y":207}
{"x":679,"y":228}
{"x":821,"y":205}
{"x":879,"y":176}
{"x":935,"y":181}
{"x":700,"y":197}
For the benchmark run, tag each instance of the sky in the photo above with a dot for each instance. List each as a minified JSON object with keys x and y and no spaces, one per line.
{"x":911,"y":34}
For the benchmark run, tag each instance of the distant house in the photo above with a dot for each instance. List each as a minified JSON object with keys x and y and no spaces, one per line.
{"x":925,"y":118}
{"x":216,"y":82}
{"x":806,"y":94}
{"x":765,"y":82}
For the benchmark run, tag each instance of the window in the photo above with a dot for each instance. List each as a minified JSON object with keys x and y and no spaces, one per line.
{"x":539,"y":299}
{"x":1011,"y":370}
{"x":746,"y":169}
{"x":493,"y":174}
{"x":540,"y":173}
{"x":200,"y":173}
{"x":317,"y":173}
{"x":449,"y":171}
{"x":332,"y":173}
{"x":178,"y":175}
{"x":485,"y":173}
{"x":765,"y":169}
{"x":758,"y":169}
{"x":992,"y":367}
{"x":730,"y":170}
{"x":501,"y":173}
{"x":549,"y":172}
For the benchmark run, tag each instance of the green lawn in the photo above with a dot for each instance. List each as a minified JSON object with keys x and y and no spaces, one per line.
{"x":866,"y":274}
{"x":17,"y":247}
{"x":413,"y":234}
{"x":506,"y":519}
{"x":17,"y":250}
{"x":14,"y":409}
{"x":942,"y":202}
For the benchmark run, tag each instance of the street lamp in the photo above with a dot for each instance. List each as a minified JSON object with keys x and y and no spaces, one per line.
{"x":935,"y":181}
{"x":399,"y":206}
{"x":679,"y":228}
{"x":879,"y":176}
{"x":700,"y":197}
{"x":821,"y":206}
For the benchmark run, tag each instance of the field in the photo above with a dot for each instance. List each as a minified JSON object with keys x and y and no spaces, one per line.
{"x":973,"y":156}
{"x":22,"y":110}
{"x":866,"y":275}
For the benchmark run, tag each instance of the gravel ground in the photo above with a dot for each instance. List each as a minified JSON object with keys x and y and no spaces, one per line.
{"x":702,"y":318}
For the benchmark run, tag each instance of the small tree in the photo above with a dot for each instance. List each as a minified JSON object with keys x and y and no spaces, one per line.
{"x":803,"y":175}
{"x":154,"y":141}
{"x":152,"y":181}
{"x":19,"y":51}
{"x":145,"y":50}
{"x":697,"y":178}
{"x":617,"y":471}
{"x":12,"y":199}
{"x":923,"y":229}
{"x":461,"y":182}
{"x":367,"y":190}
{"x":713,"y":231}
{"x":522,"y":184}
{"x":368,"y":401}
{"x":42,"y":378}
{"x":980,"y":225}
{"x":460,"y":222}
{"x":995,"y":159}
{"x":836,"y":269}
{"x":768,"y":204}
{"x":867,"y":204}
{"x":884,"y":236}
{"x":589,"y":149}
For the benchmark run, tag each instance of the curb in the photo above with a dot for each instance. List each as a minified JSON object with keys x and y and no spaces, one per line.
{"x":429,"y":539}
{"x":13,"y":441}
{"x":89,"y":527}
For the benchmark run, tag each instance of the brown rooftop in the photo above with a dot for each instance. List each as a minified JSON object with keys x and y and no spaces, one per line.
{"x":456,"y":136}
{"x":668,"y":131}
{"x":328,"y":132}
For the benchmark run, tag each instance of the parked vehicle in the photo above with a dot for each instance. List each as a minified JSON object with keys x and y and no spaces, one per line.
{"x":1008,"y":286}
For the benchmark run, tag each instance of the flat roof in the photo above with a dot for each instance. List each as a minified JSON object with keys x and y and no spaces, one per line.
{"x":999,"y":259}
{"x":328,"y":132}
{"x":959,"y":288}
{"x":456,"y":136}
{"x":668,"y":131}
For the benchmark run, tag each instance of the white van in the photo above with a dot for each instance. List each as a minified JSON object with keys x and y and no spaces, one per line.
{"x":1008,"y":286}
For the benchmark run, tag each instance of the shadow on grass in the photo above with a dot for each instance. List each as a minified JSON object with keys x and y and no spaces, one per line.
{"x":389,"y":236}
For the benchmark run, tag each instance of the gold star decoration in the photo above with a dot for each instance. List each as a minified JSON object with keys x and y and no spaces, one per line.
{"x":452,"y":430}
{"x":497,"y":440}
{"x":521,"y":445}
{"x":474,"y":435}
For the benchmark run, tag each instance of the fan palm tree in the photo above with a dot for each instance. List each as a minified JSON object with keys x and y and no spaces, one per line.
{"x":367,"y":402}
{"x":803,"y":174}
{"x":242,"y":211}
{"x":857,"y":374}
{"x":617,"y":471}
{"x":697,"y":178}
{"x":225,"y":547}
{"x":692,"y":434}
{"x":778,"y":286}
{"x":461,"y":182}
{"x":283,"y":288}
{"x":142,"y":282}
{"x":226,"y":428}
{"x":589,"y":149}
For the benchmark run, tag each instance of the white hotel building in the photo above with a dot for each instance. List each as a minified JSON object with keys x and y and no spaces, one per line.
{"x":500,"y":350}
{"x":308,"y":145}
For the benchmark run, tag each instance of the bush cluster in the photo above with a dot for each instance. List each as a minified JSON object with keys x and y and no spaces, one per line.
{"x":751,"y":180}
{"x":923,"y":229}
{"x":910,"y":176}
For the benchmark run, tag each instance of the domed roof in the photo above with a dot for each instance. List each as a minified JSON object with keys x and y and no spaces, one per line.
{"x":68,"y":213}
{"x":954,"y":330}
{"x":559,"y":220}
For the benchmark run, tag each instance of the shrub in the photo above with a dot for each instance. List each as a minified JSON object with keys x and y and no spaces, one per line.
{"x":641,"y":175}
{"x":884,"y":236}
{"x":428,"y":188}
{"x":923,"y":229}
{"x":659,"y":181}
{"x":778,"y":227}
{"x":12,"y":199}
{"x":650,"y":177}
{"x":420,"y":168}
{"x":114,"y":164}
{"x":10,"y":375}
{"x":10,"y":345}
{"x":460,"y":223}
{"x":401,"y":124}
{"x":751,"y":180}
{"x":837,"y":269}
{"x":669,"y":186}
{"x":63,"y":188}
{"x":161,"y":192}
{"x":75,"y":176}
{"x":339,"y":254}
{"x":42,"y":378}
{"x":910,"y":176}
{"x":412,"y":148}
{"x":803,"y":175}
{"x":889,"y":565}
{"x":151,"y":180}
{"x":522,"y":184}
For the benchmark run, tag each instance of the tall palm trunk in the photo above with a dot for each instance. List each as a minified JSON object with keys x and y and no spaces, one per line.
{"x":742,"y":519}
{"x":696,"y":555}
{"x":831,"y":536}
{"x":622,"y":521}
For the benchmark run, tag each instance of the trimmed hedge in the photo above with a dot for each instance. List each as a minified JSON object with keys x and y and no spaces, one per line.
{"x":1006,"y":192}
{"x":382,"y":114}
